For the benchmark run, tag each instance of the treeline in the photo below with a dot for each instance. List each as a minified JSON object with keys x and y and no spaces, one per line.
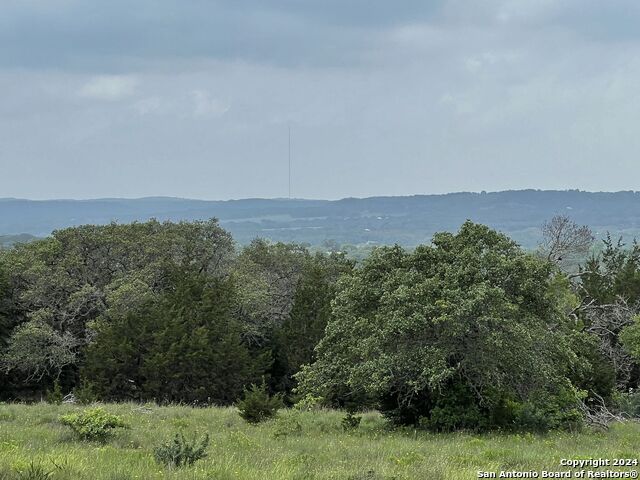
{"x":468,"y":332}
{"x":159,"y":311}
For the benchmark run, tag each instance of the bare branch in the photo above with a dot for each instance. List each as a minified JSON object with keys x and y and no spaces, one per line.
{"x":564,"y":241}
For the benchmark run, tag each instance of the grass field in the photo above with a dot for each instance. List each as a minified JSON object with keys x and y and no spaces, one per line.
{"x":297,"y":445}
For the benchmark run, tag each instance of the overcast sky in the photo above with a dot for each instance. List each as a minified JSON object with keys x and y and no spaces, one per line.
{"x":193,"y":98}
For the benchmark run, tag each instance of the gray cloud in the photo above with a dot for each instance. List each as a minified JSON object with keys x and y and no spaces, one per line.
{"x":117,"y":34}
{"x":109,"y":87}
{"x":194,"y":98}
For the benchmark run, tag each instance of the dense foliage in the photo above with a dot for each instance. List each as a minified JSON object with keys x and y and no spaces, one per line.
{"x":184,"y":346}
{"x":159,"y":311}
{"x":458,"y":334}
{"x":94,"y":424}
{"x":5,"y":325}
{"x":468,"y":332}
{"x":613,"y":274}
{"x":257,"y":405}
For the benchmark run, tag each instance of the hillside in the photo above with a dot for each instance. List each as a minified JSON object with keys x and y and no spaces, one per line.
{"x":376,"y":220}
{"x":9,"y":240}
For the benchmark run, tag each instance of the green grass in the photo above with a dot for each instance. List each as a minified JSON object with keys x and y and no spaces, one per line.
{"x":296,"y":445}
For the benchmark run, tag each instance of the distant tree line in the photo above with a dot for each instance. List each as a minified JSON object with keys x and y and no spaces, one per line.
{"x":468,"y":332}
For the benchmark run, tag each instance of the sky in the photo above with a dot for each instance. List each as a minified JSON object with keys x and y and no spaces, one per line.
{"x":195,"y":98}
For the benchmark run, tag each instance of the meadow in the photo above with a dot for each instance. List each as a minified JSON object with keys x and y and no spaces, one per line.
{"x":295,"y":445}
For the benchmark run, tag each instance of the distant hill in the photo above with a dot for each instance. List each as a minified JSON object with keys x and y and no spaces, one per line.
{"x":10,"y":240}
{"x":406,"y":220}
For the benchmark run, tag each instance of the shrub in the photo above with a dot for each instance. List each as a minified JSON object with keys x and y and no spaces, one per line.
{"x":350,"y":421}
{"x":180,"y":452}
{"x":93,"y":424}
{"x":559,"y":410}
{"x":55,"y":396}
{"x":287,"y":426}
{"x":85,"y":394}
{"x":257,"y":405}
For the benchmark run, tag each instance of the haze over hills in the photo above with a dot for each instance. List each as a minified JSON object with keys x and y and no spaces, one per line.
{"x":407,"y":220}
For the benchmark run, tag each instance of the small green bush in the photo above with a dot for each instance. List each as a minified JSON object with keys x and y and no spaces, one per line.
{"x":180,"y":452}
{"x":551,"y":412}
{"x":55,"y":396}
{"x":287,"y":426}
{"x":93,"y":424}
{"x":351,"y":421}
{"x":85,"y":394}
{"x":257,"y":405}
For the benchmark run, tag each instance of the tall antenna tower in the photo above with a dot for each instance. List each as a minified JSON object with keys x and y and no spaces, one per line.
{"x":289,"y":162}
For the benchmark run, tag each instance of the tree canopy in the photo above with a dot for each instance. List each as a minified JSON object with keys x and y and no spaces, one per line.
{"x":467,"y":332}
{"x":462,"y":333}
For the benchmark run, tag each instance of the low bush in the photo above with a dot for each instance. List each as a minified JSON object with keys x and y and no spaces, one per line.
{"x":93,"y":424}
{"x":351,"y":421}
{"x":85,"y":394}
{"x":180,"y":452}
{"x":287,"y":426}
{"x":257,"y":405}
{"x":55,"y":396}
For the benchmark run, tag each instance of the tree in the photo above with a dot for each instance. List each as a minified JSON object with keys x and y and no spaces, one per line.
{"x":184,"y":347}
{"x":267,"y":275}
{"x":5,"y":321}
{"x":596,"y":373}
{"x":198,"y":353}
{"x":458,"y":334}
{"x":37,"y":350}
{"x":304,"y":327}
{"x":80,"y":274}
{"x":10,"y":316}
{"x":606,"y":323}
{"x":630,"y":338}
{"x":564,"y":242}
{"x":613,"y":274}
{"x":284,"y":302}
{"x":609,"y":287}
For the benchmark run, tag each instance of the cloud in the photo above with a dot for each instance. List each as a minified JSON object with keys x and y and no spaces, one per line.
{"x":150,"y":106}
{"x":109,"y":88}
{"x":382,"y":97}
{"x":109,"y":36}
{"x":99,"y":37}
{"x":205,"y":105}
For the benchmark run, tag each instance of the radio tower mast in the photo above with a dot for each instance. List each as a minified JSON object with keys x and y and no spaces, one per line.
{"x":289,"y":162}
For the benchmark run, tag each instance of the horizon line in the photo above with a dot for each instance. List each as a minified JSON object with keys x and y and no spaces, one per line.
{"x":303,"y":199}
